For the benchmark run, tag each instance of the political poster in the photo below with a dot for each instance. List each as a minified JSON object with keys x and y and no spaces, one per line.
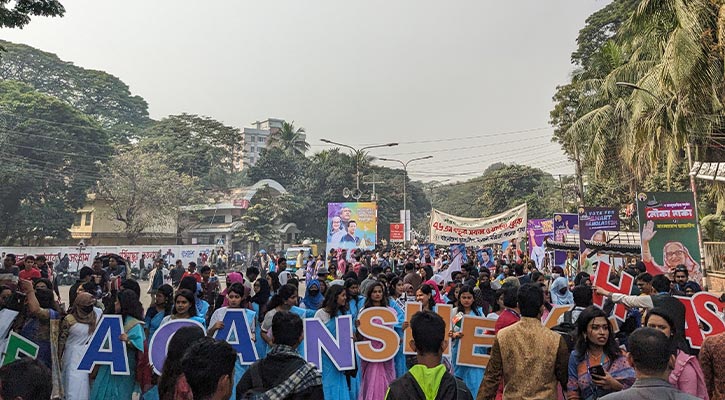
{"x":484,"y":257}
{"x":352,"y":225}
{"x":668,"y":229}
{"x":564,"y":224}
{"x":594,"y":223}
{"x":539,"y":230}
{"x":427,"y":254}
{"x":76,"y":259}
{"x":449,"y":229}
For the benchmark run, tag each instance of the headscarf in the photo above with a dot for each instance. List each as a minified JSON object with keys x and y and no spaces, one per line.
{"x":84,"y":300}
{"x":262,"y":298}
{"x":436,"y":291}
{"x":561,"y":284}
{"x":313,"y":303}
{"x":234,"y":277}
{"x":692,"y":285}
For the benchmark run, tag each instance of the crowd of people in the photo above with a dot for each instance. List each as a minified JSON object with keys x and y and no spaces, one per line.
{"x":584,"y":357}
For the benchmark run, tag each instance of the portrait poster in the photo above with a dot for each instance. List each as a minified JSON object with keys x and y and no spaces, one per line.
{"x":352,"y":225}
{"x":668,"y":230}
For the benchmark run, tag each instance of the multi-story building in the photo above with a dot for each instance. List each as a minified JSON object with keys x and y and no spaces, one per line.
{"x":255,"y":139}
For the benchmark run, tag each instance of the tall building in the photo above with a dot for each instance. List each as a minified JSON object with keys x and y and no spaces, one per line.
{"x":255,"y":139}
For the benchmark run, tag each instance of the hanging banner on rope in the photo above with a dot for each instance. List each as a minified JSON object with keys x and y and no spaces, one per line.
{"x":449,"y":229}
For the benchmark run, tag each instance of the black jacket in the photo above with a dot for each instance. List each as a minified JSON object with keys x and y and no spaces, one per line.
{"x":275,"y":369}
{"x":407,"y":388}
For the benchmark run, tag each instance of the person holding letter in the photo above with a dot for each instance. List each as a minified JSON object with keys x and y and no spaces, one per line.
{"x":335,"y":305}
{"x":376,"y":376}
{"x":121,"y":387}
{"x":428,"y":378}
{"x":235,"y":295}
{"x":464,"y":306}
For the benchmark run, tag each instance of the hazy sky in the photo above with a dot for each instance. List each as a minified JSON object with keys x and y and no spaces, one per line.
{"x":420,"y":72}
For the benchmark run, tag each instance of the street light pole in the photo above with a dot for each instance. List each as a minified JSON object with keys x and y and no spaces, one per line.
{"x":358,"y":153}
{"x":405,"y":197}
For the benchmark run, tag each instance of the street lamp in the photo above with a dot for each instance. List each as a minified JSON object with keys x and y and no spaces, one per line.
{"x":358,"y":152}
{"x":405,"y":178}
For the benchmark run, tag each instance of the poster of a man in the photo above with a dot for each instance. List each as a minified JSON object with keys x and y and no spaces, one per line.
{"x":427,"y":254}
{"x":345,"y":216}
{"x":485,"y":257}
{"x":350,"y":240}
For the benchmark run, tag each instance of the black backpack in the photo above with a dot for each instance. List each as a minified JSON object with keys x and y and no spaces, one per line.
{"x":567,"y":330}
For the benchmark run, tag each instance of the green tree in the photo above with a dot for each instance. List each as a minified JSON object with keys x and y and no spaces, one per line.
{"x":51,"y":153}
{"x":196,"y":146}
{"x":96,"y":93}
{"x":18,"y":15}
{"x":261,"y":221}
{"x":275,"y":164}
{"x":143,"y":192}
{"x":290,"y":139}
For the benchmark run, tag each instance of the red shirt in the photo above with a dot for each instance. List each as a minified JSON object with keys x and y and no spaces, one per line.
{"x":29,"y":275}
{"x":507,"y":317}
{"x":195,"y":275}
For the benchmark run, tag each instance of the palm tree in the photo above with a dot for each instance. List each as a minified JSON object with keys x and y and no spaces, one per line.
{"x":289,"y":139}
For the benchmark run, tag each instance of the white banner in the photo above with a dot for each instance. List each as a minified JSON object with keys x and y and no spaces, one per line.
{"x":77,"y":259}
{"x":448,"y":229}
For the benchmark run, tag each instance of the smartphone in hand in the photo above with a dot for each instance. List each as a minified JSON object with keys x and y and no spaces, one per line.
{"x":597,"y":371}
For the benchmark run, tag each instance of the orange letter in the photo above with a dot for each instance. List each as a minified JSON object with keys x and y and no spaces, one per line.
{"x":379,"y":331}
{"x":443,"y":310}
{"x":474,"y":335}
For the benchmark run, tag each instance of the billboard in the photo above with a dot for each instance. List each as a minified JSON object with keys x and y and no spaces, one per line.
{"x":352,"y":225}
{"x":668,"y":229}
{"x":539,"y":230}
{"x":449,"y":229}
{"x":564,"y":224}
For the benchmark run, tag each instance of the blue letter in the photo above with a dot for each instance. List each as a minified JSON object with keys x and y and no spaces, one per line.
{"x":106,"y":347}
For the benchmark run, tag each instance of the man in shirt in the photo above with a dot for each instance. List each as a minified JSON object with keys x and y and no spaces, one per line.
{"x":712,"y":361}
{"x":528,"y":372}
{"x":285,"y":271}
{"x":191,"y":271}
{"x":411,"y":276}
{"x":29,"y":272}
{"x":651,"y":361}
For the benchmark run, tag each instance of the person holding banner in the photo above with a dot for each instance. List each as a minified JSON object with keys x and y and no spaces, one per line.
{"x":76,"y":329}
{"x":334,"y":384}
{"x":121,"y":387}
{"x":376,"y":376}
{"x":464,"y":306}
